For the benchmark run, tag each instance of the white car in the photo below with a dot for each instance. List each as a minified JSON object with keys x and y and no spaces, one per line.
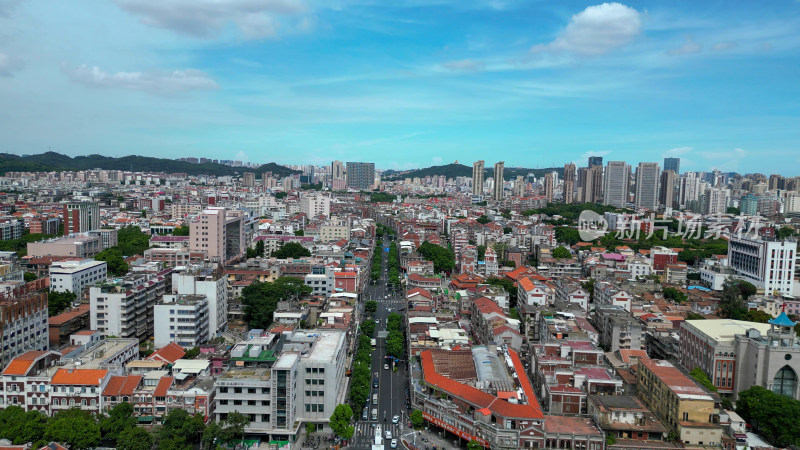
{"x":395,"y":419}
{"x":393,"y":444}
{"x":386,"y":366}
{"x":388,"y":434}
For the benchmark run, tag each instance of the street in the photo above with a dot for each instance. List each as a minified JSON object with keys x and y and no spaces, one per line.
{"x":391,"y":385}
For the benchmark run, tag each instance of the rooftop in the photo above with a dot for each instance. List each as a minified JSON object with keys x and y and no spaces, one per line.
{"x":722,"y":330}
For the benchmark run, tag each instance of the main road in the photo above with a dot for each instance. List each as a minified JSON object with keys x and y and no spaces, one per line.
{"x":392,"y":384}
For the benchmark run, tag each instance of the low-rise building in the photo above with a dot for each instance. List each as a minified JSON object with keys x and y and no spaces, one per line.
{"x":74,"y":275}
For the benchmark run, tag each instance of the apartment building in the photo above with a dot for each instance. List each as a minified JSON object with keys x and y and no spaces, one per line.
{"x":321,"y":280}
{"x":80,"y":217}
{"x":74,"y":275}
{"x":683,"y":406}
{"x":11,"y":230}
{"x":768,"y":264}
{"x":282,"y":382}
{"x":219,"y":233}
{"x":123,"y":307}
{"x":182,"y":319}
{"x":211,"y":284}
{"x":23,"y":325}
{"x":79,"y":246}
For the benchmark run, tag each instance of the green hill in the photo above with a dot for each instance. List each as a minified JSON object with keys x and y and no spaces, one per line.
{"x":52,"y":161}
{"x":459,"y":170}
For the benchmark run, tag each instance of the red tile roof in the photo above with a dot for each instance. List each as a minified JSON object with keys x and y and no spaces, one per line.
{"x":163,"y":385}
{"x":487,"y":306}
{"x":118,"y":386}
{"x":481,"y":399}
{"x":20,"y":365}
{"x":88,"y":377}
{"x":168,"y":353}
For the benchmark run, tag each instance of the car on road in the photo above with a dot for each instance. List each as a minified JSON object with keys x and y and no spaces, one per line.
{"x":386,"y":366}
{"x":395,"y":419}
{"x":393,"y":444}
{"x":388,"y":434}
{"x":377,"y":321}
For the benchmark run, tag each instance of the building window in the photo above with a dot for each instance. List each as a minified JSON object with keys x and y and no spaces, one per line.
{"x":785,"y":382}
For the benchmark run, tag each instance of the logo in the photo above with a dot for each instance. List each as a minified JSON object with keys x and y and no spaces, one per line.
{"x":591,"y":225}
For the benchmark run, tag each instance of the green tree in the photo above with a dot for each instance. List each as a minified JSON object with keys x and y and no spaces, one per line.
{"x":114,"y":260}
{"x":233,"y":426}
{"x":74,"y":427}
{"x":509,"y":287}
{"x":417,"y":420}
{"x":694,"y":316}
{"x":731,"y":304}
{"x":260,"y":248}
{"x":310,"y":428}
{"x":500,"y":248}
{"x":371,"y":306}
{"x":291,"y":250}
{"x":135,"y":438}
{"x":180,"y":430}
{"x":561,"y":252}
{"x":260,"y":299}
{"x":674,"y":294}
{"x":368,"y":327}
{"x":757,"y":316}
{"x":746,"y":289}
{"x":21,"y":427}
{"x":119,"y":419}
{"x":443,"y":259}
{"x":474,"y":445}
{"x":507,"y":230}
{"x":702,"y":378}
{"x":774,"y":416}
{"x":192,"y":353}
{"x":28,"y":277}
{"x":299,"y":233}
{"x":588,"y":286}
{"x":59,"y":301}
{"x":784,"y":232}
{"x":567,"y":235}
{"x":340,"y":421}
{"x":181,"y":231}
{"x":481,"y":252}
{"x":483,"y":220}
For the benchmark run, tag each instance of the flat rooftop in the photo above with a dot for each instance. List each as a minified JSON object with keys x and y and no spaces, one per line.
{"x":724,"y":330}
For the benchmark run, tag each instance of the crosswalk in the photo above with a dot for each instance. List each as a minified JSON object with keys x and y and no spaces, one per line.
{"x":364,"y":433}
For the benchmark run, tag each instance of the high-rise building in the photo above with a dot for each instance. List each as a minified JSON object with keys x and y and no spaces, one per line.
{"x":776,"y":182}
{"x":673,"y":164}
{"x":647,"y":175}
{"x":477,"y":177}
{"x":590,"y":184}
{"x":23,"y":325}
{"x":519,"y":186}
{"x":570,"y":177}
{"x":360,"y":175}
{"x":765,"y":263}
{"x":315,"y":205}
{"x":499,"y":169}
{"x":715,"y":201}
{"x":689,"y":189}
{"x":548,"y":187}
{"x":615,"y":184}
{"x":595,"y":161}
{"x":210,"y":284}
{"x":248,"y":179}
{"x":337,"y":171}
{"x":667,"y":190}
{"x":748,"y":205}
{"x":218,"y":233}
{"x":80,"y":217}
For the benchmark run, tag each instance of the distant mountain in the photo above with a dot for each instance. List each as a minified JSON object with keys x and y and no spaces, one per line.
{"x":52,"y":161}
{"x":459,"y":170}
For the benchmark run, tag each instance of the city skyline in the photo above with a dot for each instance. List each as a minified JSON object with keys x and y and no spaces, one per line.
{"x":406,"y":86}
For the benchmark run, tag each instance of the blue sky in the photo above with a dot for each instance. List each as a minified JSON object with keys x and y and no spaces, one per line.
{"x":406,"y":83}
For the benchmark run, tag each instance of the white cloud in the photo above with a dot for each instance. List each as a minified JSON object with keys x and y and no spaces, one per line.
{"x":464,"y":65}
{"x":597,"y":30}
{"x":724,"y":160}
{"x":156,"y":83}
{"x":586,"y":155}
{"x":676,"y":152}
{"x":689,"y":47}
{"x":241,"y":156}
{"x":9,"y":64}
{"x":257,"y":19}
{"x":722,"y":46}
